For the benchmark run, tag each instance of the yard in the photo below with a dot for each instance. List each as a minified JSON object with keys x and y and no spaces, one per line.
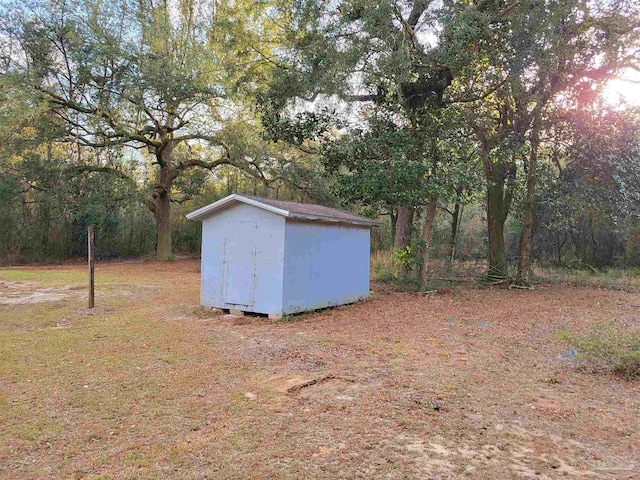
{"x":476,"y":383}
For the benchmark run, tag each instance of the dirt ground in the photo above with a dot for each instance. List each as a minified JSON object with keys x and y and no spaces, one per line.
{"x":475,"y":384}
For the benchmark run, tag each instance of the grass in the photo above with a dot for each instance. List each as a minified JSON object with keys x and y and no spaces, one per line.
{"x":611,"y":348}
{"x":612,"y":278}
{"x":43,"y":277}
{"x":76,"y":278}
{"x":148,"y":385}
{"x":90,"y":373}
{"x":384,"y":267}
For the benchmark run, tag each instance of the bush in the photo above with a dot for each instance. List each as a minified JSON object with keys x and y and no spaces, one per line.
{"x":613,"y":349}
{"x":407,"y":258}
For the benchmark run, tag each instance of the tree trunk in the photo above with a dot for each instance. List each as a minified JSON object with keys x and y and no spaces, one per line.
{"x":404,"y":220}
{"x":455,"y":226}
{"x":524,"y":263}
{"x":495,"y":227}
{"x":161,"y":202}
{"x":426,"y":239}
{"x":163,"y":226}
{"x":500,"y":177}
{"x":393,"y":217}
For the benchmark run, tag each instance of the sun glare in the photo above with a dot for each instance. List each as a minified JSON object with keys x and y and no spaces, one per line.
{"x":623,"y":90}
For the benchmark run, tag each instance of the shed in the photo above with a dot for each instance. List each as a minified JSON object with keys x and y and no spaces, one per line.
{"x":279,"y":257}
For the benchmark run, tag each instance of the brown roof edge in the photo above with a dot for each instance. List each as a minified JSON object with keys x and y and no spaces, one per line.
{"x":308,"y":211}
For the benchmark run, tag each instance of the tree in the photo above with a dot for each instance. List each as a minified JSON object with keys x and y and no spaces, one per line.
{"x":589,"y":207}
{"x":47,"y":205}
{"x":375,"y":168}
{"x":156,"y":77}
{"x":566,"y":67}
{"x":547,"y":50}
{"x":382,"y":55}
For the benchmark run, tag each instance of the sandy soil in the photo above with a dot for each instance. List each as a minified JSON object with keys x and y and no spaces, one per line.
{"x":474,"y":384}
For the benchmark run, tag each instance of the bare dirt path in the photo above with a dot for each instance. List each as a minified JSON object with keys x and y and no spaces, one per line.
{"x":471,"y":385}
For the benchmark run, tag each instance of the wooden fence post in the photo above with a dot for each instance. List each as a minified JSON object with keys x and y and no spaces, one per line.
{"x":91,"y":251}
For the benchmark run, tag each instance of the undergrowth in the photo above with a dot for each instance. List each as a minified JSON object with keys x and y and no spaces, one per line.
{"x":614,"y":279}
{"x":400,"y":269}
{"x":611,"y":348}
{"x":388,"y":267}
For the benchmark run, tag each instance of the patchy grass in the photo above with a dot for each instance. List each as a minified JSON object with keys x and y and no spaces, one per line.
{"x":149,"y":385}
{"x":612,"y":278}
{"x":611,"y":348}
{"x":43,"y":277}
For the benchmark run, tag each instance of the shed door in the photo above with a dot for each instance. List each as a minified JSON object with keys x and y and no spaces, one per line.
{"x":240,"y":263}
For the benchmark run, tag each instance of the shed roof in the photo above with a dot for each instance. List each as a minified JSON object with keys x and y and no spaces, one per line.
{"x":300,"y":211}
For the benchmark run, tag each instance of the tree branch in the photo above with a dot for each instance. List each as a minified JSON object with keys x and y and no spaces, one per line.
{"x":419,"y":7}
{"x":131,"y":136}
{"x":77,"y":169}
{"x":202,"y":164}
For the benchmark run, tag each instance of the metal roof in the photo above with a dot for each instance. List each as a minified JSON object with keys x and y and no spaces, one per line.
{"x":300,"y":211}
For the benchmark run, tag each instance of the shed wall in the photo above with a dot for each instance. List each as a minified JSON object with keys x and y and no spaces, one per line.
{"x":222,"y":235}
{"x":324,"y":265}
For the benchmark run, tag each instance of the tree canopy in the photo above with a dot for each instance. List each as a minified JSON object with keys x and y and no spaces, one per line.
{"x":406,"y":109}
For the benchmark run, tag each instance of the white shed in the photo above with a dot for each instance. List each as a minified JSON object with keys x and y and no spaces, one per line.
{"x":279,"y":257}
